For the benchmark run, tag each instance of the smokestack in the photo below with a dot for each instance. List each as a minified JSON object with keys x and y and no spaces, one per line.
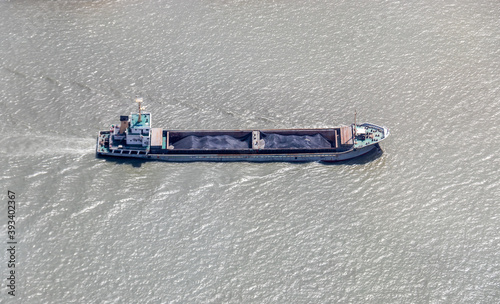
{"x":124,"y":123}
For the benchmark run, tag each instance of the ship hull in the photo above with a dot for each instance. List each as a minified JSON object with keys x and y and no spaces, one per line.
{"x":136,"y":138}
{"x":242,"y":157}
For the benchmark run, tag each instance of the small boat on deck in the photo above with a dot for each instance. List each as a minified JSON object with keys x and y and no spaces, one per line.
{"x":135,"y":137}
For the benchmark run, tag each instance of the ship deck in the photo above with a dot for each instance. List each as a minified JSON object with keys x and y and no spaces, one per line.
{"x":368,"y":134}
{"x":226,"y":145}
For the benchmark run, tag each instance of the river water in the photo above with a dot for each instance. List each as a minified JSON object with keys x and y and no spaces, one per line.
{"x":418,"y":222}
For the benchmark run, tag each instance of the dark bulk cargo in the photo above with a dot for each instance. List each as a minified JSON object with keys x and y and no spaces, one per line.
{"x":278,"y":141}
{"x":216,"y":142}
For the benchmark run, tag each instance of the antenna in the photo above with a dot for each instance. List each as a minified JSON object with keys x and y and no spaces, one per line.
{"x":139,"y":102}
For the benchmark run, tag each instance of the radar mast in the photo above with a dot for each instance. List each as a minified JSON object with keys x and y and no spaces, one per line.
{"x":139,"y":102}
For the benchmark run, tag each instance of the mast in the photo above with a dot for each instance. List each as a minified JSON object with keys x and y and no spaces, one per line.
{"x":355,"y":128}
{"x":139,"y":102}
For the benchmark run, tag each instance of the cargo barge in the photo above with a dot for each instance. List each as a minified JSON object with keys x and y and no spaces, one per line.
{"x":135,"y":137}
